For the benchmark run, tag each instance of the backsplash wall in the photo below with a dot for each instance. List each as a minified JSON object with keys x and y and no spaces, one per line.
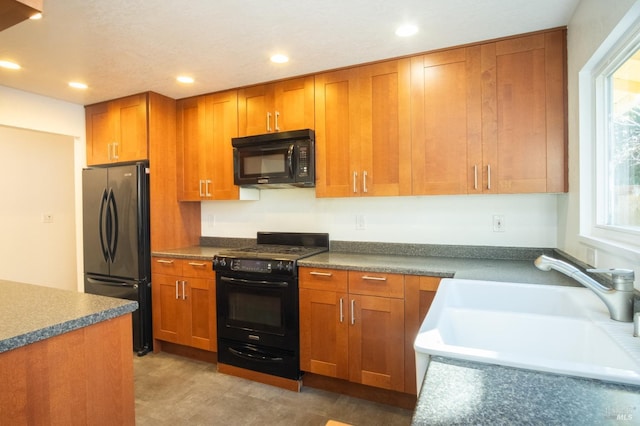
{"x":529,"y":220}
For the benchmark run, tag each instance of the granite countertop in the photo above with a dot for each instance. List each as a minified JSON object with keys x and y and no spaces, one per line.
{"x":30,"y":313}
{"x":484,"y":263}
{"x":465,"y":392}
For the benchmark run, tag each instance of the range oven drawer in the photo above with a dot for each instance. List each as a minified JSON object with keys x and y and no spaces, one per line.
{"x":264,"y":359}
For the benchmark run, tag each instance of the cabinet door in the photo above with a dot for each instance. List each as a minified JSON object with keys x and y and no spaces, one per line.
{"x":294,"y":104}
{"x":337,"y":134}
{"x":221,"y":120}
{"x":446,"y":122}
{"x":254,"y":105}
{"x":100,"y":133}
{"x":324,"y":334}
{"x":384,"y":129}
{"x":200,"y":316}
{"x":167,"y":307}
{"x":376,"y":341}
{"x":419,"y":294}
{"x":192,"y":148}
{"x":131,"y":119}
{"x":525,"y":105}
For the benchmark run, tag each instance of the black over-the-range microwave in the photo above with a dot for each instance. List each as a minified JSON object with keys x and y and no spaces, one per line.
{"x":275,"y":160}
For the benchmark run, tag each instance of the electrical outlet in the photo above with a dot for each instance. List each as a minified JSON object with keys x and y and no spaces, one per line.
{"x":591,"y":257}
{"x":498,"y":223}
{"x":47,"y":218}
{"x":361,"y":223}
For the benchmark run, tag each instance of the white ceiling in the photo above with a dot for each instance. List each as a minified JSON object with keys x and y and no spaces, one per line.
{"x":121,"y":47}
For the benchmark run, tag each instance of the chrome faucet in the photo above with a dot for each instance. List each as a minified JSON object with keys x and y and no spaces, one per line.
{"x":619,"y":299}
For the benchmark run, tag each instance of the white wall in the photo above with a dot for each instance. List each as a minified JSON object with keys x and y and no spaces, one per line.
{"x":37,"y":178}
{"x":590,"y":25}
{"x":28,"y":111}
{"x":461,"y":220}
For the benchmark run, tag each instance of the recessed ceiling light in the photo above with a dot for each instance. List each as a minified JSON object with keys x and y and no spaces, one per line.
{"x":406,"y":30}
{"x":77,"y":85}
{"x":279,"y":58}
{"x":9,"y":65}
{"x":185,"y":79}
{"x":36,"y":16}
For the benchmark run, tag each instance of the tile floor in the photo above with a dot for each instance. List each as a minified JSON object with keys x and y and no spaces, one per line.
{"x":172,"y":390}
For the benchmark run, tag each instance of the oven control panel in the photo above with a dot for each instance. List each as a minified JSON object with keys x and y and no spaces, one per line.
{"x":258,"y":266}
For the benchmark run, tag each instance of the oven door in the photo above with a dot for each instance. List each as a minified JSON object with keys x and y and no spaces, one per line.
{"x":258,"y":311}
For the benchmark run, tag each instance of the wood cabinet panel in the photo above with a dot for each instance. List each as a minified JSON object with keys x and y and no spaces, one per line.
{"x":363,"y":140}
{"x":275,"y":107}
{"x":352,"y":336}
{"x":447,"y":122}
{"x":205,"y":126}
{"x":184,"y":302}
{"x":324,"y":333}
{"x":419,"y":294}
{"x":376,"y":342}
{"x":117,"y":130}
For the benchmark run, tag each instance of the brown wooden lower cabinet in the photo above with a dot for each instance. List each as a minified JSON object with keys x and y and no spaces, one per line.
{"x":184,"y":303}
{"x":352,"y":326}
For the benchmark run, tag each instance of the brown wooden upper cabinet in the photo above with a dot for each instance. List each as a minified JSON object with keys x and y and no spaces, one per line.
{"x":13,"y":12}
{"x":363,"y":133}
{"x":117,"y":130}
{"x":205,"y":125}
{"x":276,"y":107}
{"x":491,"y":118}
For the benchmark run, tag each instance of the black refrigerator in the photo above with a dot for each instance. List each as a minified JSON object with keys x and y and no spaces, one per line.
{"x":117,"y":257}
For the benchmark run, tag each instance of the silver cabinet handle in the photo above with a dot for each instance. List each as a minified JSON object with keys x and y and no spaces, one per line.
{"x":369,"y":278}
{"x":268,"y":122}
{"x":177,"y":294}
{"x":321,"y":274}
{"x":341,"y":311}
{"x":355,"y":182}
{"x":184,"y":295}
{"x":488,"y":176}
{"x":364,"y":181}
{"x":116,"y":150}
{"x":475,"y":176}
{"x":197,"y":264}
{"x":353,"y":311}
{"x":201,"y":191}
{"x":277,"y":126}
{"x":206,"y":188}
{"x":164,"y":261}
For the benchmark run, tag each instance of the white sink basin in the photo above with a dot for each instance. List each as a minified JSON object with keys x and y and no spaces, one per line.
{"x":565,"y":330}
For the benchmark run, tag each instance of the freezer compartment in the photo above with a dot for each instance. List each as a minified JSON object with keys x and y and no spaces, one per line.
{"x":139,"y":291}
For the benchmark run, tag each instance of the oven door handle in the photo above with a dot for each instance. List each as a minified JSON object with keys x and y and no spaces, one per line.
{"x":253,"y":357}
{"x":252,"y":283}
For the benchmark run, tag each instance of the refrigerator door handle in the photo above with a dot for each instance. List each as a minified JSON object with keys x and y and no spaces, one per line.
{"x":101,"y":222}
{"x":112,"y":226}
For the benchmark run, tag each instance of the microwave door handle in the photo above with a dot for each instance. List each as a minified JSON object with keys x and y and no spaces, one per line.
{"x":290,"y":160}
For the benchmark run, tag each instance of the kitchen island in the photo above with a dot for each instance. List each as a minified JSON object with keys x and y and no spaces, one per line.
{"x":65,"y":357}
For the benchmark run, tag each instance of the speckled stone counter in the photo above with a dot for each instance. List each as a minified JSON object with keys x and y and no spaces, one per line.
{"x":463,"y":392}
{"x":30,"y":313}
{"x":192,"y":252}
{"x":446,"y":267}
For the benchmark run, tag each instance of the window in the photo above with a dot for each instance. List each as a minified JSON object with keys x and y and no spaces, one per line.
{"x":621,"y":193}
{"x":610,"y":143}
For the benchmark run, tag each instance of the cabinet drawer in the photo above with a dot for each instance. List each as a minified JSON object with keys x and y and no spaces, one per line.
{"x":197,"y":268}
{"x":323,"y":279}
{"x":166,"y":266}
{"x":376,"y":284}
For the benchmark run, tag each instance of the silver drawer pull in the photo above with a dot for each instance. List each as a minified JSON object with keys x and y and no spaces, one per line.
{"x":164,"y":261}
{"x":197,"y":264}
{"x":367,"y":277}
{"x":321,"y":274}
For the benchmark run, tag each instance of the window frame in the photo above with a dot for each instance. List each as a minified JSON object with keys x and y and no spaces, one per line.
{"x":595,"y":94}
